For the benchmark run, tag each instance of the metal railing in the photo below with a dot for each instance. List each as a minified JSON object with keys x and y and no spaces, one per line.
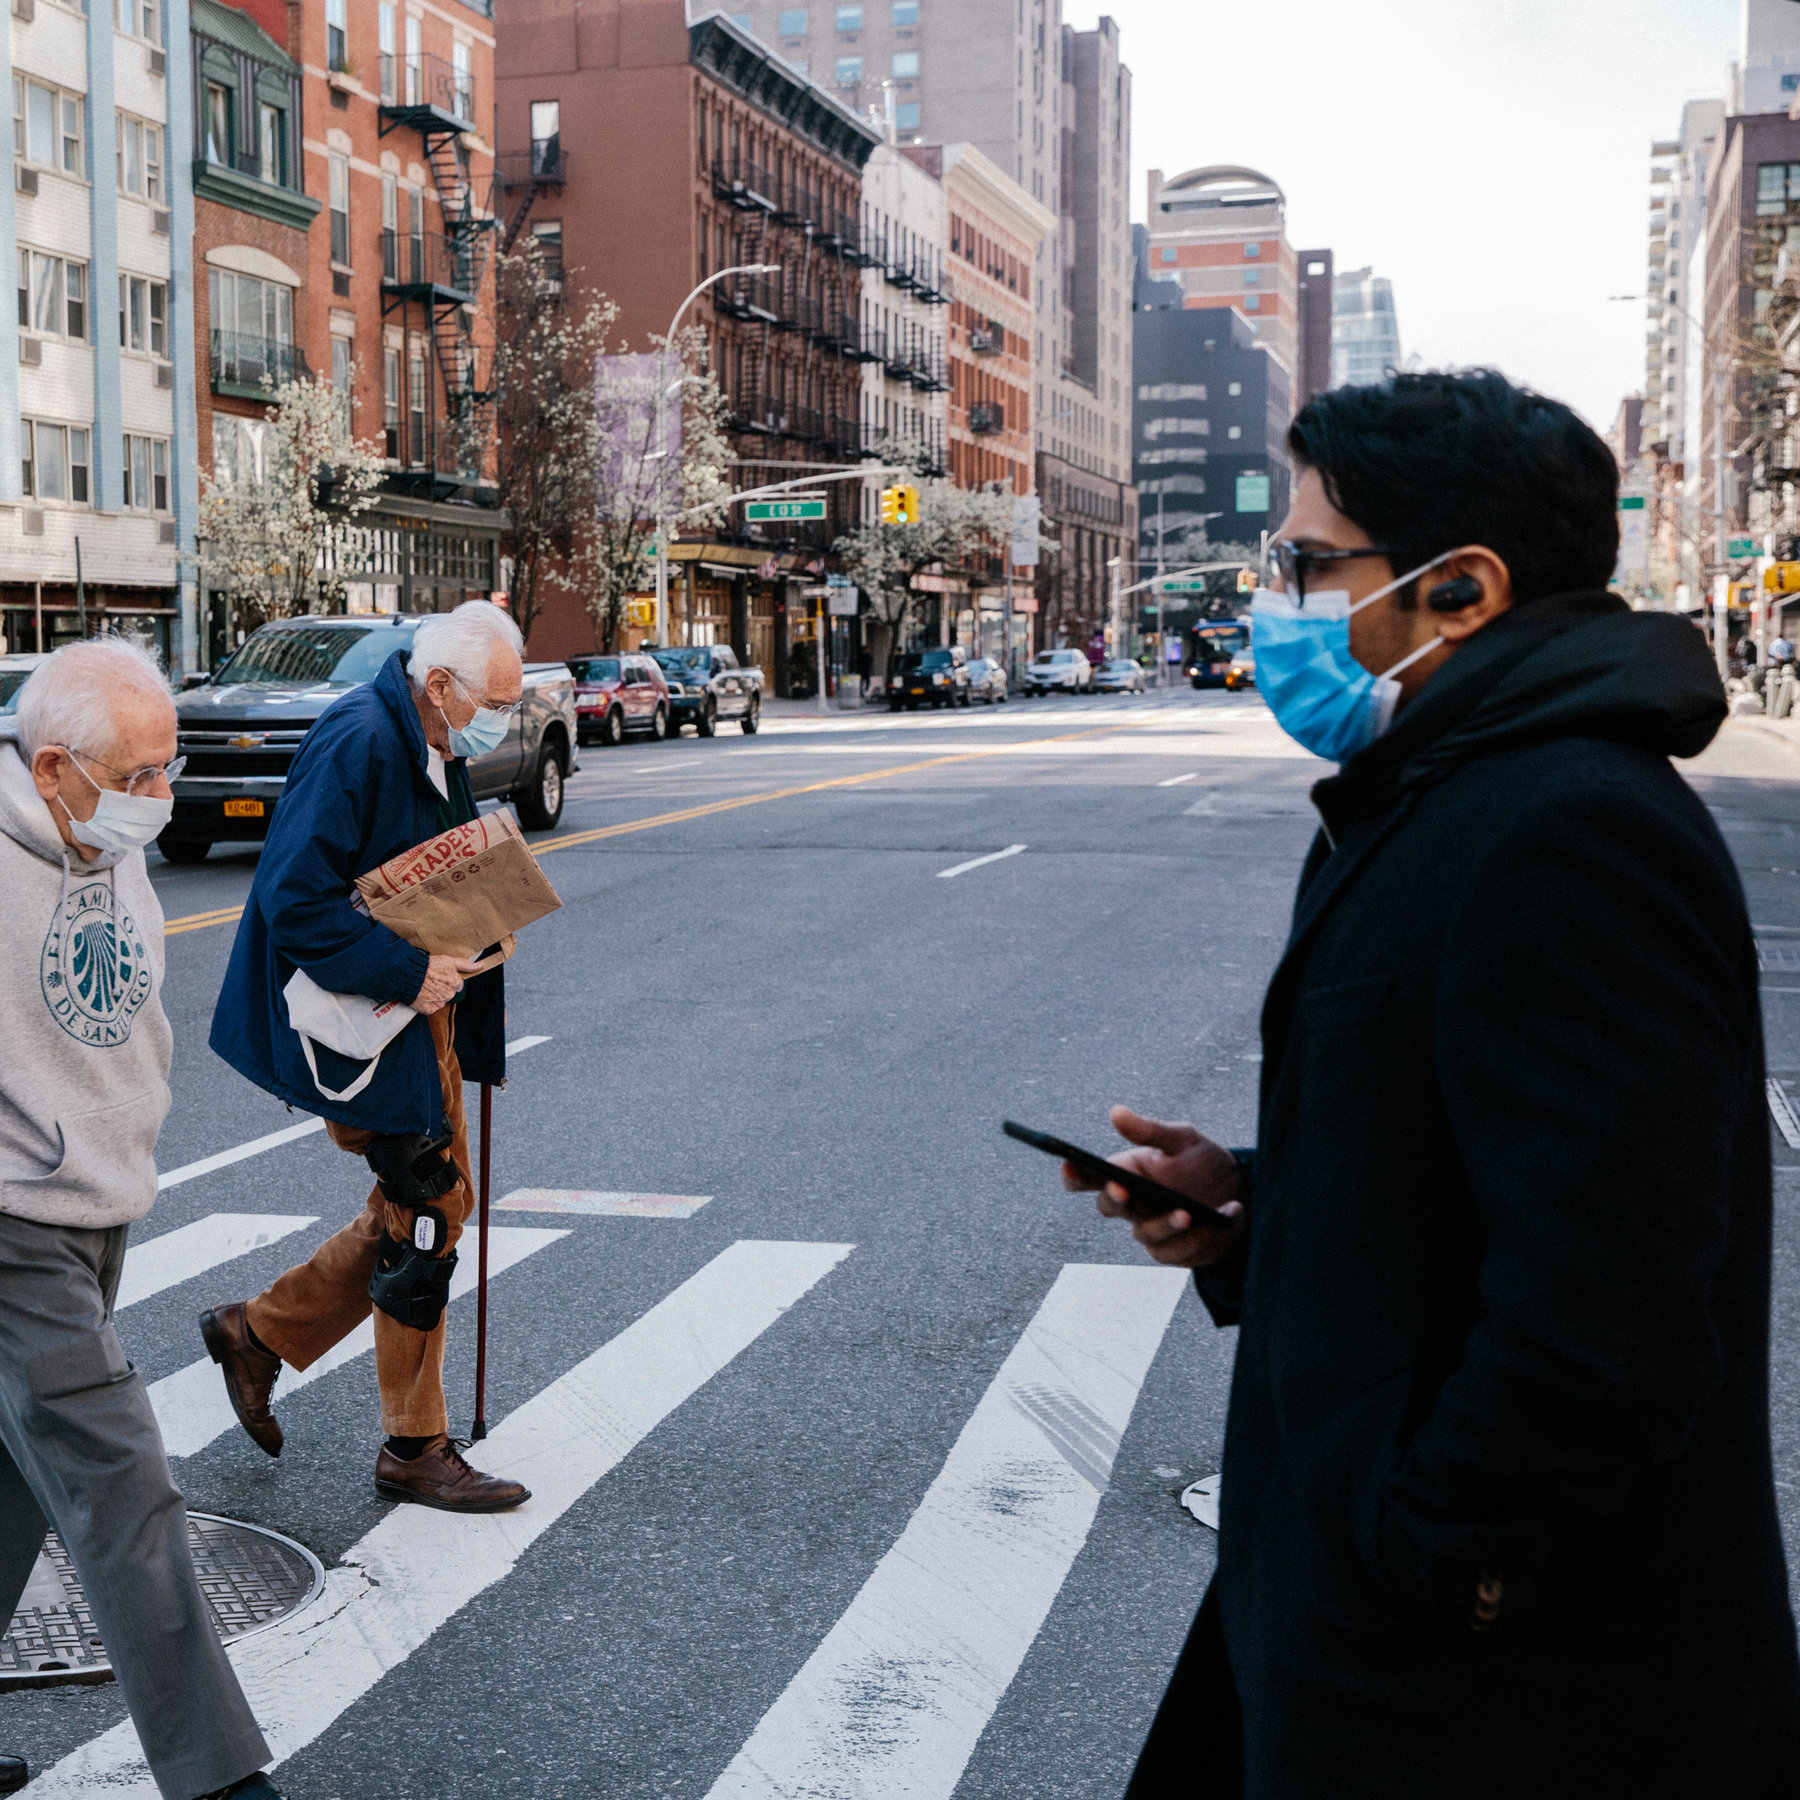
{"x":987,"y":417}
{"x":545,"y":164}
{"x":241,"y":360}
{"x":418,"y":79}
{"x":745,"y":184}
{"x":428,"y":259}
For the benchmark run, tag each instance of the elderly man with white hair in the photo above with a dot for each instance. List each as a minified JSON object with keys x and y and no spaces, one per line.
{"x":83,"y":1093}
{"x":381,"y":771}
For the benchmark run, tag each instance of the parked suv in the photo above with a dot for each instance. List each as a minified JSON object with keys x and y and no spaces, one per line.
{"x":240,"y":729}
{"x":930,"y":677}
{"x":619,"y":694}
{"x":707,"y":683}
{"x":1065,"y":669}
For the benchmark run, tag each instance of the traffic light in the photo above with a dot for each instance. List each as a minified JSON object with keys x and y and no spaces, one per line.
{"x":890,"y":505}
{"x":909,"y":505}
{"x":1246,"y":581}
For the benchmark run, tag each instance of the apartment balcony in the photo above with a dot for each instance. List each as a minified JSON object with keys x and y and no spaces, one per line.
{"x":545,"y":164}
{"x":988,"y":339}
{"x":425,"y":93}
{"x":987,"y":418}
{"x":442,"y":271}
{"x":747,"y":185}
{"x":248,"y":367}
{"x":756,"y":298}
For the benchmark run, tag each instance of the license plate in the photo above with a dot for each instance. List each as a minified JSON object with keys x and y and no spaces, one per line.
{"x":918,"y":690}
{"x":243,"y":809}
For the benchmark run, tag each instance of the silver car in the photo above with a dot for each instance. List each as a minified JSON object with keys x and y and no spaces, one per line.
{"x":987,"y":680}
{"x":1119,"y":676}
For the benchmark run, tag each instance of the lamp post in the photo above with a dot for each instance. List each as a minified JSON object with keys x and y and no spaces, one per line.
{"x":662,"y":401}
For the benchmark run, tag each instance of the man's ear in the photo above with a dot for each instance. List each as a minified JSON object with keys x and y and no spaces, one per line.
{"x":46,"y":771}
{"x":1467,"y":592}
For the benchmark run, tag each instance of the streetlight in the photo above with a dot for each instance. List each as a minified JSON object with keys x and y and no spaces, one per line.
{"x":662,"y":401}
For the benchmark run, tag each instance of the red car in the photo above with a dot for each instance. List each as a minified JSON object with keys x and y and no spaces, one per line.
{"x":619,"y":694}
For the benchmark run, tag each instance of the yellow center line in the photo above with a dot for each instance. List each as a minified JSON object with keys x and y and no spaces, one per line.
{"x":229,"y":915}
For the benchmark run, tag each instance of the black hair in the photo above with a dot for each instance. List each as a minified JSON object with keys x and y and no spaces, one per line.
{"x":1428,"y":462}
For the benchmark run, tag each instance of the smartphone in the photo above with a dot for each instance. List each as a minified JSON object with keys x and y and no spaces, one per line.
{"x":1149,"y":1197}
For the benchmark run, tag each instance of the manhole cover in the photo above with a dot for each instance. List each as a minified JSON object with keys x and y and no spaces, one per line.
{"x":251,"y":1579}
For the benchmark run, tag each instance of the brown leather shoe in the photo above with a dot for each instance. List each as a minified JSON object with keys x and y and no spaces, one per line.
{"x":439,"y":1477}
{"x":249,"y":1372}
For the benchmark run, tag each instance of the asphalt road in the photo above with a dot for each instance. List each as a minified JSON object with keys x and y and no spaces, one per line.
{"x":871,"y":1462}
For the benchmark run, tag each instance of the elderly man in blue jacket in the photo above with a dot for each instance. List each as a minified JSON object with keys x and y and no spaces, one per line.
{"x":382,"y":770}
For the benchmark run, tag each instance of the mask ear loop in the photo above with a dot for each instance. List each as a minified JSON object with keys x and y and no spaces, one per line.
{"x":1393,"y":586}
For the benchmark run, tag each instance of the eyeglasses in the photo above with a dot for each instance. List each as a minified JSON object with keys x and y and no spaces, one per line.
{"x":1287,"y":562}
{"x":484,"y":704}
{"x":136,"y":783}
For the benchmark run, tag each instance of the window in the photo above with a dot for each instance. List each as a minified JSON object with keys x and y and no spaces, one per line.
{"x":146,"y":474}
{"x":1252,"y":277}
{"x":1253,"y":251}
{"x":54,"y":461}
{"x":143,"y":315}
{"x":390,"y":404}
{"x":1168,"y":253}
{"x":849,"y":71}
{"x":339,"y":182}
{"x":415,"y":230}
{"x":138,"y":18}
{"x":905,"y":12}
{"x":384,"y":38}
{"x":1172,"y":390}
{"x":1235,"y":432}
{"x":390,"y":229}
{"x":1235,"y":389}
{"x":906,"y":116}
{"x":463,"y":75}
{"x":218,"y":123}
{"x":791,"y":22}
{"x":48,"y":126}
{"x":546,"y":135}
{"x":415,"y":407}
{"x":849,"y":18}
{"x":239,"y":453}
{"x":743,"y":22}
{"x":140,"y":159}
{"x":256,"y":313}
{"x":1252,"y":302}
{"x":415,"y":64}
{"x":1777,"y":186}
{"x":52,"y":295}
{"x":271,"y":150}
{"x":337,"y":38}
{"x":904,"y":65}
{"x":802,"y":66}
{"x":340,"y":382}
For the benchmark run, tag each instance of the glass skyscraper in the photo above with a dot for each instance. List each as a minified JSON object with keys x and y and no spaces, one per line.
{"x":1365,"y":335}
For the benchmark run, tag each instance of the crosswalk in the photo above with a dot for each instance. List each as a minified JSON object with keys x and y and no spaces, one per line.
{"x":896,"y":1695}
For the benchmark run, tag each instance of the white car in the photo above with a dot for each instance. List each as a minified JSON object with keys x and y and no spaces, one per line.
{"x":1120,"y":676}
{"x":1065,"y":669}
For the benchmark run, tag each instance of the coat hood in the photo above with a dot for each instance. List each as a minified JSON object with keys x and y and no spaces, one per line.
{"x":27,"y":820}
{"x":1569,"y":665}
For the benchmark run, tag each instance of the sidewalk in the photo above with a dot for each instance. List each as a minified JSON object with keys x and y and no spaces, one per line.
{"x":1788,"y":730}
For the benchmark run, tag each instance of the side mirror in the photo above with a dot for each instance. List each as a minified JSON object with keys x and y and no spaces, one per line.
{"x":195,"y":678}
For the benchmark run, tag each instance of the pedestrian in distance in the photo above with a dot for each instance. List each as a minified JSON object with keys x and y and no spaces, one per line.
{"x":1498,"y":1513}
{"x":1781,"y":650}
{"x":382,"y":771}
{"x":83,"y":1093}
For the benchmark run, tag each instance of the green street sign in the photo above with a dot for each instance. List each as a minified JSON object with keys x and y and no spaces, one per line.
{"x":1184,"y":584}
{"x":1631,"y":503}
{"x":766,"y":510}
{"x":1739,"y":547}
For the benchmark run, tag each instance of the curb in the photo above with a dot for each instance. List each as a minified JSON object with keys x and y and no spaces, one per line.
{"x":1769,"y":728}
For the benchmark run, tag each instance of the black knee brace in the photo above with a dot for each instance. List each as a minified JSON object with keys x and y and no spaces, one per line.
{"x":412,"y":1169}
{"x":409,"y":1282}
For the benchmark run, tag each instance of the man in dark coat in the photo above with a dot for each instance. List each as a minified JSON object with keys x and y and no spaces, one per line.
{"x":1498,"y":1514}
{"x":382,"y":771}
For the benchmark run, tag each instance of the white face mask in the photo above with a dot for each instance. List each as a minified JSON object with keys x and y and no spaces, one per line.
{"x":120,"y":821}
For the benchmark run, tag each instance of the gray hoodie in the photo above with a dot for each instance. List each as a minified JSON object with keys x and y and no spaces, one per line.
{"x":84,"y":1043}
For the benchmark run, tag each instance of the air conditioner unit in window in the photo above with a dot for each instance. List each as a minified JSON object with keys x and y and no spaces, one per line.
{"x":159,"y":62}
{"x":159,"y":221}
{"x":165,"y":531}
{"x":25,"y":180}
{"x":31,"y":521}
{"x":24,"y":9}
{"x":165,"y":375}
{"x":31,"y":352}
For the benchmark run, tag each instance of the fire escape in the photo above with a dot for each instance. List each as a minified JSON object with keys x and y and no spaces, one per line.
{"x":442,"y":272}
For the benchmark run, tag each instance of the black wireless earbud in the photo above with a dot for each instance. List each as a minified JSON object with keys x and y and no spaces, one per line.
{"x":1453,"y":596}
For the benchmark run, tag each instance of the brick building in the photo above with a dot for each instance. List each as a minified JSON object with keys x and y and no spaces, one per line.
{"x":684,"y":151}
{"x":343,"y":228}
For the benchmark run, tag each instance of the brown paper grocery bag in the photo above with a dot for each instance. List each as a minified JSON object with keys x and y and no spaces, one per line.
{"x":464,"y":892}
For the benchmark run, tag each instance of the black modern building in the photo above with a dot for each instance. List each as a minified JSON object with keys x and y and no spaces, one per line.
{"x":1210,"y":411}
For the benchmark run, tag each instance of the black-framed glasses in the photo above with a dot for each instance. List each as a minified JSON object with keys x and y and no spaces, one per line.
{"x":1289,"y":563}
{"x":140,"y":779}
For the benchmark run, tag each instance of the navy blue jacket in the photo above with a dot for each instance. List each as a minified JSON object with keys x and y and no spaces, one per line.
{"x":358,"y":793}
{"x":1498,"y":1514}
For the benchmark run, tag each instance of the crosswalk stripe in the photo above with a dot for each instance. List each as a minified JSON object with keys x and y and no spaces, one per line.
{"x":417,"y":1567}
{"x":190,"y":1250}
{"x":894,"y":1699}
{"x":192,"y":1406}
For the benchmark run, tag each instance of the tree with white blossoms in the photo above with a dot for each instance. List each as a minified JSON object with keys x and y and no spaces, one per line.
{"x":955,"y":526}
{"x":283,"y":536}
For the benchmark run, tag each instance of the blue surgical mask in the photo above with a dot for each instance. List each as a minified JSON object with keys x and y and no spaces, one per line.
{"x":485,"y":732}
{"x":1321,"y":696}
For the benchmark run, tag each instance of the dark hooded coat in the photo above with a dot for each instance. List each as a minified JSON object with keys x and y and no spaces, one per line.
{"x":1498,"y":1516}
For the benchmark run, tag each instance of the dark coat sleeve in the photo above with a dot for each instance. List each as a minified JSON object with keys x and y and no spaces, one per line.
{"x":309,"y":867}
{"x":1594,"y":1031}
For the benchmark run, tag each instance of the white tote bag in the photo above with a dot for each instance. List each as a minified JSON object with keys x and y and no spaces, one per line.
{"x":351,"y":1024}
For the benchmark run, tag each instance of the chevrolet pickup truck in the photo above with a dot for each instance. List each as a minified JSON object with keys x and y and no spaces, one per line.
{"x":240,"y":729}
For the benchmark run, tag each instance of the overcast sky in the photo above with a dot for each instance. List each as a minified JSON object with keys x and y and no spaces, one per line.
{"x":1491,"y":160}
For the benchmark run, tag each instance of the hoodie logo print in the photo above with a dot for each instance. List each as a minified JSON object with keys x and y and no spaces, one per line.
{"x":95,"y":975}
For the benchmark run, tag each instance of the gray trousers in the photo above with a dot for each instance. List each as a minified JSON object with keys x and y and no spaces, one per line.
{"x":80,"y":1450}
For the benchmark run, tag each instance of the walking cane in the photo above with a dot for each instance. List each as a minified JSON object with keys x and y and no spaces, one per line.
{"x":479,"y":1429}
